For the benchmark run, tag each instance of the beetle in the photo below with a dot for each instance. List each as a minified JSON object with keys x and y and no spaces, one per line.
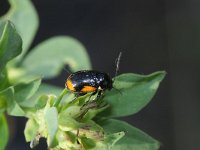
{"x":86,"y":81}
{"x":90,"y":81}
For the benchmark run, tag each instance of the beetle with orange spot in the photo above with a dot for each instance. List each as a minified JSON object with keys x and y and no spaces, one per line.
{"x":90,"y":81}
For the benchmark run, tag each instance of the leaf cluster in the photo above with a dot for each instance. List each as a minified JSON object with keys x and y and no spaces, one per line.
{"x":81,"y":124}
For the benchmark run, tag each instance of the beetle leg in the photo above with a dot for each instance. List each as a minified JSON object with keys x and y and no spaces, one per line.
{"x":86,"y":102}
{"x":99,"y":94}
{"x":92,"y":95}
{"x":77,"y":95}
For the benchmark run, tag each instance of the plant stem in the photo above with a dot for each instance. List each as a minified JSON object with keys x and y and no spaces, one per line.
{"x":63,"y":93}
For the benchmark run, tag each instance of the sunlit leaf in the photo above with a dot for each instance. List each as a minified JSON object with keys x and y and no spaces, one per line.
{"x":51,"y":56}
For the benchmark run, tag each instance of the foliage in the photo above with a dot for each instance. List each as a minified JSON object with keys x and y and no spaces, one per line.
{"x":85,"y":123}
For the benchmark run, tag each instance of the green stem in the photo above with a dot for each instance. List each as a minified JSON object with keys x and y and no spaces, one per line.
{"x":63,"y":93}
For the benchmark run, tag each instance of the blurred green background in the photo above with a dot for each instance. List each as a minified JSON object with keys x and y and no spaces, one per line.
{"x":153,"y":35}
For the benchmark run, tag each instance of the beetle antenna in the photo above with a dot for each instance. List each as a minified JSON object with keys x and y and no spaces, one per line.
{"x":117,"y":63}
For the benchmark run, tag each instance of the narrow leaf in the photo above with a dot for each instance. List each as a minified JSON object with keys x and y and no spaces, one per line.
{"x":51,"y":118}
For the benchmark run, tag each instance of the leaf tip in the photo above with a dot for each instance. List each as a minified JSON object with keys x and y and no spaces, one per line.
{"x":161,"y":74}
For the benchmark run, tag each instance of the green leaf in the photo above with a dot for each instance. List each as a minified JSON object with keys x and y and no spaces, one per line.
{"x":51,"y":118}
{"x":13,"y":97}
{"x":87,"y":143}
{"x":67,"y":123}
{"x":41,"y":102}
{"x":13,"y":108}
{"x":3,"y":80}
{"x":52,"y":55}
{"x":3,"y":132}
{"x":31,"y":130}
{"x":91,"y":113}
{"x":106,"y":143}
{"x":67,"y":140}
{"x":25,"y":91}
{"x":10,"y":47}
{"x":92,"y":130}
{"x":3,"y":102}
{"x":10,"y":44}
{"x":134,"y":138}
{"x":112,"y":139}
{"x":71,"y":111}
{"x":23,"y":14}
{"x":44,"y":89}
{"x":133,"y":93}
{"x":49,"y":89}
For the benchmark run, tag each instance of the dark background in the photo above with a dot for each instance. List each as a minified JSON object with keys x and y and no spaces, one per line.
{"x":153,"y":35}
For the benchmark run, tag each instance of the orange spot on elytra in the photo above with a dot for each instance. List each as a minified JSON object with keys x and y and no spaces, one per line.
{"x":88,"y":89}
{"x":69,"y":85}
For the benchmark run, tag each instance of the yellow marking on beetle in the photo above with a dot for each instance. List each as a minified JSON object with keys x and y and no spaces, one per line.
{"x":88,"y":89}
{"x":69,"y":85}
